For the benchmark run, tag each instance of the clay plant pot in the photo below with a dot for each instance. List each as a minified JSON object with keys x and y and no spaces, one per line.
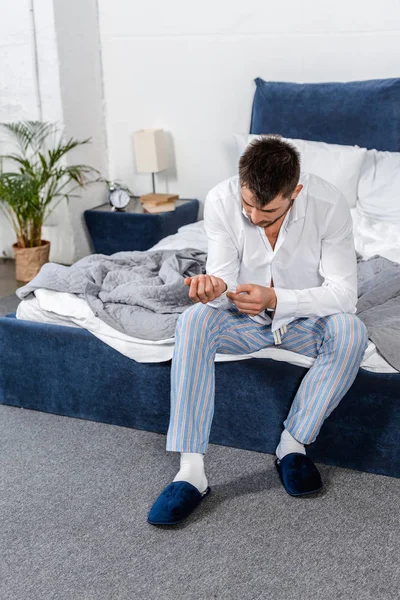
{"x":29,"y":261}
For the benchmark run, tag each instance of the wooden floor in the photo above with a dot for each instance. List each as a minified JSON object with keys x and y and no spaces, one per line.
{"x":8,"y":283}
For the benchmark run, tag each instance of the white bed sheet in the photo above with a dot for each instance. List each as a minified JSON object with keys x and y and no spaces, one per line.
{"x":62,"y":308}
{"x":75,"y":312}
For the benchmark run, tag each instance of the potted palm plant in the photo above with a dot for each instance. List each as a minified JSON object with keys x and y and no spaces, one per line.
{"x":29,"y":192}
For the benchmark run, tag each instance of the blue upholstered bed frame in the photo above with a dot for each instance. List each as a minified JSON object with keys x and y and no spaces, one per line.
{"x":68,"y":371}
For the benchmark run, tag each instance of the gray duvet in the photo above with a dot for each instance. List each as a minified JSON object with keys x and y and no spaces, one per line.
{"x":142,"y":294}
{"x":378,"y":305}
{"x":138,"y":293}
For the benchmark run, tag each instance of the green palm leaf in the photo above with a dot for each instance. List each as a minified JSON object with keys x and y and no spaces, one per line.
{"x":27,"y":195}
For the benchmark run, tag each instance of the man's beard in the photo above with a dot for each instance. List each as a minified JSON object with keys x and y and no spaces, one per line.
{"x":267,"y":223}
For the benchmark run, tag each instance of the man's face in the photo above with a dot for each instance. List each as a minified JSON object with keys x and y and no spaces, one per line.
{"x":270,"y":214}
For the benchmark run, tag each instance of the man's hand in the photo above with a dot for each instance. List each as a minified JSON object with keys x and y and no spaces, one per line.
{"x":252,"y":299}
{"x":205,"y":288}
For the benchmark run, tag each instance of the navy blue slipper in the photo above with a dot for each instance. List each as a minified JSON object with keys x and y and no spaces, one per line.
{"x":175,"y":503}
{"x":298,"y":474}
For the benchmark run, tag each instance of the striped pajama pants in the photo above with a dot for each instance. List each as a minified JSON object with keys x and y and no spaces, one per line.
{"x":337,"y":342}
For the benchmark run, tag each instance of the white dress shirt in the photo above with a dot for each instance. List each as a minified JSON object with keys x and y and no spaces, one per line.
{"x":313,"y":264}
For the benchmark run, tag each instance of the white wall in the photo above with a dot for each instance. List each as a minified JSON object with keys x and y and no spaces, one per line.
{"x":186,"y":67}
{"x":190,"y":67}
{"x":51,"y":71}
{"x":31,"y":90}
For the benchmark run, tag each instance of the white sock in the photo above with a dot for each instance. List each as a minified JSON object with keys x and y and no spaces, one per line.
{"x":287,"y":445}
{"x":192,"y":470}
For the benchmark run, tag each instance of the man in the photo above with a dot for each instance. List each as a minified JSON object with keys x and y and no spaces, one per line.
{"x":281,"y":269}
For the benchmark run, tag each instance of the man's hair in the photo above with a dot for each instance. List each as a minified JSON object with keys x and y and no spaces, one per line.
{"x":268,"y":167}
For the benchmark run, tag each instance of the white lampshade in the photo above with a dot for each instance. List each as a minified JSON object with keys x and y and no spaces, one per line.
{"x":151,"y":150}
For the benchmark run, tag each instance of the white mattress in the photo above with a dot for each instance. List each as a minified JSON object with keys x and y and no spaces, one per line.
{"x":75,"y":312}
{"x":62,"y":308}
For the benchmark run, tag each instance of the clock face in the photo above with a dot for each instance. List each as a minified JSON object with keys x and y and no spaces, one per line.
{"x":119,"y":198}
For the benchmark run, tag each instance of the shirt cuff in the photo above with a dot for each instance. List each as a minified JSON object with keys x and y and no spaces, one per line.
{"x":286,"y":304}
{"x":221,"y":302}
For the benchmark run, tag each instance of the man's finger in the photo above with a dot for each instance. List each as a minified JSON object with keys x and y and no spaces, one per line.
{"x":248,"y":310}
{"x":193,"y":290}
{"x":209,"y":288}
{"x":243,"y":298}
{"x":238,"y":294}
{"x":214,"y":282}
{"x":201,"y":289}
{"x":244,"y":287}
{"x":246,"y":306}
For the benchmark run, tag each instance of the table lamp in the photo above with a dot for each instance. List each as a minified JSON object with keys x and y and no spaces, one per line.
{"x":152,"y":157}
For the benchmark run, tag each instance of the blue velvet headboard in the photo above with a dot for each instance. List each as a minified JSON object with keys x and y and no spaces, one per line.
{"x":364,"y":113}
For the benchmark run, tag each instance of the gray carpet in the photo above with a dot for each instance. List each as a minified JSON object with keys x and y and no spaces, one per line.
{"x":74,"y":498}
{"x":8,"y":304}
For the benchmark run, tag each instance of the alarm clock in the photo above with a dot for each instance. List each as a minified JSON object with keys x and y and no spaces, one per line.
{"x":118,"y":198}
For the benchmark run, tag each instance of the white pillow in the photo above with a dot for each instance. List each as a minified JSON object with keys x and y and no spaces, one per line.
{"x":340,"y":165}
{"x":374,"y":236}
{"x":379,"y":186}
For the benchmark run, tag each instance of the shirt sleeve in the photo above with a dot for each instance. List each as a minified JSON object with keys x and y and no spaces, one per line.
{"x":338,"y":266}
{"x":223,"y":256}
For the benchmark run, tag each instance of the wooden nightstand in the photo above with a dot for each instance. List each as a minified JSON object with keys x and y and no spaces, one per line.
{"x":133,"y":229}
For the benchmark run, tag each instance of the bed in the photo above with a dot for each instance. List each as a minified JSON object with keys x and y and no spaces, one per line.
{"x":61,"y":308}
{"x":57,"y":357}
